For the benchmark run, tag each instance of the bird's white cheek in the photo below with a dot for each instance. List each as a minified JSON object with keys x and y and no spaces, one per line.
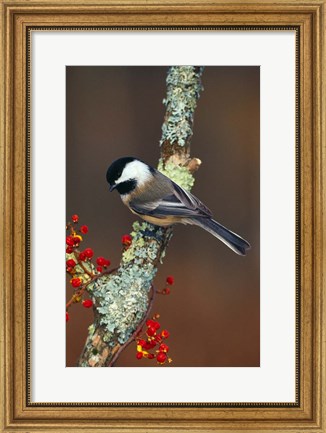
{"x":135,"y":170}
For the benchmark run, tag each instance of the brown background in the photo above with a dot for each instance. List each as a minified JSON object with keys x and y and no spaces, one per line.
{"x":213,"y":310}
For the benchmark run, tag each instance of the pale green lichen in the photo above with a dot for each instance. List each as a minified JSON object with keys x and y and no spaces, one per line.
{"x":91,"y":329}
{"x":122,"y":299}
{"x":183,"y":90}
{"x":94,"y":359}
{"x":106,"y":338}
{"x":178,"y":174}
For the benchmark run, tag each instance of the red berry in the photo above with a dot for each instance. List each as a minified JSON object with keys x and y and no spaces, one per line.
{"x":101,"y":261}
{"x":141,"y":342}
{"x":149,"y":345}
{"x":67,"y":316}
{"x":87,"y":303}
{"x":161,"y":357}
{"x":163,"y":348}
{"x":77,"y":240}
{"x":76,"y":282}
{"x":126,"y":240}
{"x":151,"y":331}
{"x":70,"y":241}
{"x":165,"y":333}
{"x":139,"y":355}
{"x":153,"y":324}
{"x":167,"y":291}
{"x":82,"y":256}
{"x":150,"y":356}
{"x":75,"y":218}
{"x":69,"y":250}
{"x":71,"y":263}
{"x":84,"y":229}
{"x":170,"y":280}
{"x":99,"y":269}
{"x":89,"y":253}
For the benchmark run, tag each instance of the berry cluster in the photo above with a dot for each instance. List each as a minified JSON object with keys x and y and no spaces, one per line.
{"x":79,"y":264}
{"x":83,"y":271}
{"x":150,"y":345}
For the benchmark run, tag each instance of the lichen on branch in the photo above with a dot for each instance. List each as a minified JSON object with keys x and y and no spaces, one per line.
{"x":183,"y":90}
{"x":121,"y":299}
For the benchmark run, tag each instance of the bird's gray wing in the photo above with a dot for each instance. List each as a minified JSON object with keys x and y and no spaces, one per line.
{"x":178,"y":203}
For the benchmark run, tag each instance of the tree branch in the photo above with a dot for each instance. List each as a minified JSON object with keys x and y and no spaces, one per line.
{"x":122,"y":299}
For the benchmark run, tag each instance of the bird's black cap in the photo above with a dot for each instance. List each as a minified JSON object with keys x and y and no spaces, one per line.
{"x":116,"y":168}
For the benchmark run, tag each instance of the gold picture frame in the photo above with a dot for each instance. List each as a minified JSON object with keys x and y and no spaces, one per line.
{"x":309,"y":411}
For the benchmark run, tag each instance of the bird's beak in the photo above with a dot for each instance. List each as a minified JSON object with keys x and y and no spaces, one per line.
{"x":112,"y":187}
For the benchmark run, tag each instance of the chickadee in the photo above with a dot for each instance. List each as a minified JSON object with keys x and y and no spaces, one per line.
{"x":158,"y":200}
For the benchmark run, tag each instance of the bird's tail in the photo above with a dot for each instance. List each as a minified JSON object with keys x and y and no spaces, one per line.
{"x":232,"y":240}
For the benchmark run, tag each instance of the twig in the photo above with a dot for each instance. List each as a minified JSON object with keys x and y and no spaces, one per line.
{"x":90,"y":274}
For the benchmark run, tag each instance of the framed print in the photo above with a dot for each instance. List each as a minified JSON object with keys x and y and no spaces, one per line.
{"x":220,"y":327}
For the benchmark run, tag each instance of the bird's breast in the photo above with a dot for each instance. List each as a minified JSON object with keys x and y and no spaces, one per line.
{"x":162,"y":222}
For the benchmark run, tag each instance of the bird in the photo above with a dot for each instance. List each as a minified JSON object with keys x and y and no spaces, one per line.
{"x":158,"y":200}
